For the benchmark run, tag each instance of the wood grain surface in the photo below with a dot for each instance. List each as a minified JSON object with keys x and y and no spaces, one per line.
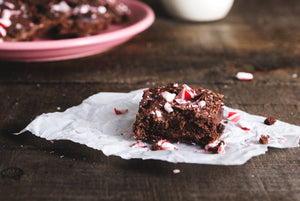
{"x":261,"y":37}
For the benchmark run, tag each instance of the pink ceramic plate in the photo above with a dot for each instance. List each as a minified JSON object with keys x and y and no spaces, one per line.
{"x":53,"y":50}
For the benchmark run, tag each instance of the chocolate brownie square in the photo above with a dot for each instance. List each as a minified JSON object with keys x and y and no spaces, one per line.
{"x":16,"y":22}
{"x":178,"y":113}
{"x":22,"y":20}
{"x":89,"y":17}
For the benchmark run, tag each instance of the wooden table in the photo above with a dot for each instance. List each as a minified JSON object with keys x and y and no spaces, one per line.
{"x":261,"y":37}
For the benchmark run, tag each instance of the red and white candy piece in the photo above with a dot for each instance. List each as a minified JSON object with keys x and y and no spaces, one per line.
{"x":139,"y":144}
{"x":181,"y":101}
{"x":175,"y":85}
{"x":234,"y":116}
{"x":282,"y":140}
{"x":211,"y":145}
{"x":221,"y":149}
{"x":220,"y":145}
{"x":168,"y":107}
{"x":244,"y":76}
{"x":187,"y":93}
{"x":166,"y":145}
{"x":6,"y":13}
{"x":4,"y":22}
{"x":169,"y":97}
{"x":176,"y":171}
{"x":120,"y":111}
{"x":2,"y":31}
{"x":244,"y":125}
{"x":10,"y":5}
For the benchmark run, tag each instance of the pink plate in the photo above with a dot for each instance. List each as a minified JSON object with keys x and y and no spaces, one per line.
{"x":53,"y":50}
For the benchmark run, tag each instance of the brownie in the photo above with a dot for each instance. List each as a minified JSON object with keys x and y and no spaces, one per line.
{"x":156,"y":148}
{"x":89,"y":17}
{"x":16,"y":22}
{"x":270,"y":120}
{"x":264,"y":139}
{"x":180,"y":114}
{"x":22,"y":20}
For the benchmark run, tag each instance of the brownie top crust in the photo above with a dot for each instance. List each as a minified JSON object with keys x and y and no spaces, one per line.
{"x":205,"y":103}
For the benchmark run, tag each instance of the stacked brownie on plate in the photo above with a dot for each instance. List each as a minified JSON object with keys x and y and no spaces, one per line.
{"x":22,"y":20}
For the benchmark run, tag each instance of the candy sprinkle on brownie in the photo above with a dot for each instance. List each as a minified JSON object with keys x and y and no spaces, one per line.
{"x":177,"y":112}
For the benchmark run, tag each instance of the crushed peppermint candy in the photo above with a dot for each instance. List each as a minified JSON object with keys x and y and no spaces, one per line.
{"x":4,"y":22}
{"x":244,"y":76}
{"x":181,"y":101}
{"x":176,"y":171}
{"x":169,"y":97}
{"x":6,"y":13}
{"x":202,"y":103}
{"x":244,"y":125}
{"x":102,"y":9}
{"x":18,"y":26}
{"x":166,"y":145}
{"x":175,"y":85}
{"x":61,"y":7}
{"x":84,"y":9}
{"x":282,"y":140}
{"x":2,"y":31}
{"x":10,"y":5}
{"x":187,"y":93}
{"x":158,"y":113}
{"x":234,"y":116}
{"x":139,"y":144}
{"x":120,"y":111}
{"x":216,"y":148}
{"x":168,"y":107}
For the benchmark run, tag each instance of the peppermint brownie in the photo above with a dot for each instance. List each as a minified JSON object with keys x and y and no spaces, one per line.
{"x":16,"y":23}
{"x":28,"y":20}
{"x":178,"y":113}
{"x":88,"y":17}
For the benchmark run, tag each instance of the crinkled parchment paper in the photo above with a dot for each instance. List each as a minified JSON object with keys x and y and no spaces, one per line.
{"x":95,"y":124}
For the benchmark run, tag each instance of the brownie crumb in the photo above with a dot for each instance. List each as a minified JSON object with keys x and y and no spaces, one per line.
{"x":270,"y":120}
{"x":156,"y":148}
{"x":264,"y":139}
{"x":215,"y":150}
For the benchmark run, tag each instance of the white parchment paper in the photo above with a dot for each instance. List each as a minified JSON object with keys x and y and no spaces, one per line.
{"x":95,"y":124}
